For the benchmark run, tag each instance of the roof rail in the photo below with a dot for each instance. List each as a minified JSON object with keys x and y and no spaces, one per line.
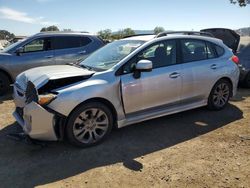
{"x":165,"y":33}
{"x":138,"y":35}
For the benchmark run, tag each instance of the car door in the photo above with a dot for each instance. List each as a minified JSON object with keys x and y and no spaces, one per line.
{"x":70,"y":49}
{"x":200,"y":67}
{"x":35,"y":53}
{"x":161,"y":86}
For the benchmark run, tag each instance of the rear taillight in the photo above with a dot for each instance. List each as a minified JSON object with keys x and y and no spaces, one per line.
{"x":235,"y":59}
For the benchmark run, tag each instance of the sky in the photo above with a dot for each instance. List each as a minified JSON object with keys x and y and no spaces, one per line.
{"x":27,"y":17}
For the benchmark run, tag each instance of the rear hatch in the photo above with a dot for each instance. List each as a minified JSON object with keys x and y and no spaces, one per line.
{"x":228,"y":36}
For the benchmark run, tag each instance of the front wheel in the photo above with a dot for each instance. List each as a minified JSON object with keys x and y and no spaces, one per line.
{"x":89,"y":124}
{"x":219,"y":95}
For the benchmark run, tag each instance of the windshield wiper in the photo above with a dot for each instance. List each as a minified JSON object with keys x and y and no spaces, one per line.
{"x":85,"y":66}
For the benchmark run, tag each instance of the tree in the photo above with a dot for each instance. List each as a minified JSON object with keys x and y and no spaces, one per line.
{"x":50,"y":28}
{"x":105,"y":34}
{"x":127,"y":32}
{"x":6,"y":35}
{"x":158,"y":30}
{"x":242,"y":3}
{"x":122,"y":33}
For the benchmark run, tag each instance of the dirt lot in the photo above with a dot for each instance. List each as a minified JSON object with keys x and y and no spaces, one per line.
{"x":197,"y":148}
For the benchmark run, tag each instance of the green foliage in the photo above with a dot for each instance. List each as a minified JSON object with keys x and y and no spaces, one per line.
{"x":6,"y":35}
{"x":127,"y":32}
{"x":105,"y":34}
{"x":241,"y":3}
{"x":158,"y":30}
{"x":109,"y":36}
{"x":123,"y":33}
{"x":50,"y":28}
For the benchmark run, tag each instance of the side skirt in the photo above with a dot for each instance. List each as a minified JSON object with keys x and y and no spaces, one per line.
{"x":158,"y":112}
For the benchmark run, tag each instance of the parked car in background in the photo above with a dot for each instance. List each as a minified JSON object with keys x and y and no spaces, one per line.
{"x":244,"y":56}
{"x":232,"y":40}
{"x":1,"y":47}
{"x":51,"y":48}
{"x":125,"y":82}
{"x":16,"y":39}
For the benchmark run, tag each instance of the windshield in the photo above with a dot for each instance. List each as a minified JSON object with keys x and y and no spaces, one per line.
{"x":109,"y":55}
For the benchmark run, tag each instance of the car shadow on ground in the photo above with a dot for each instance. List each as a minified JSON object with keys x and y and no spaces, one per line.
{"x":24,"y":165}
{"x":5,"y":98}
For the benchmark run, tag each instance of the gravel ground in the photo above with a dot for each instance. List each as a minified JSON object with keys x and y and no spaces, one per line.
{"x":197,"y":148}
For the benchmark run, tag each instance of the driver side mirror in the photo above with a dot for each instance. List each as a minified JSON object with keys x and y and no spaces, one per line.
{"x":143,"y":65}
{"x":19,"y":51}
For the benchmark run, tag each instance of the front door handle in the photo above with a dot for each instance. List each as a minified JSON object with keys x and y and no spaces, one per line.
{"x":213,"y":66}
{"x":174,"y":75}
{"x":49,"y":56}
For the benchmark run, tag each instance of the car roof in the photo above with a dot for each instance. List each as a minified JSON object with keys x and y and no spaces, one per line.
{"x":140,"y":37}
{"x":55,"y":33}
{"x":173,"y":36}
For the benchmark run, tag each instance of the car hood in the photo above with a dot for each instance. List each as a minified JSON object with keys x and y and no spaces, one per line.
{"x":41,"y":75}
{"x":228,"y":36}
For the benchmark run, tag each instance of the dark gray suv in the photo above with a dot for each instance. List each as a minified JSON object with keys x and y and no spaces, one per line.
{"x":51,"y":48}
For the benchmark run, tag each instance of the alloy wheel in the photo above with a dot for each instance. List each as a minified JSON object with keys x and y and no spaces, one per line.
{"x":221,"y":95}
{"x":91,"y":125}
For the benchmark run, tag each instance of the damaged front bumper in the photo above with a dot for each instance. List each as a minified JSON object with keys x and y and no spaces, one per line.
{"x":36,"y":121}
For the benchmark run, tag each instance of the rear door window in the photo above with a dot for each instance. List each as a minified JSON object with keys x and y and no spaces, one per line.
{"x":193,"y":50}
{"x":64,"y":42}
{"x":197,"y":50}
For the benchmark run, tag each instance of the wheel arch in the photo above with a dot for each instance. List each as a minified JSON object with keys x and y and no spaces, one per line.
{"x":7,"y":74}
{"x":229,"y":81}
{"x":100,"y":100}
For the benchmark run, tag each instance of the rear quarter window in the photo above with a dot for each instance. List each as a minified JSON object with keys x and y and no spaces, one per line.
{"x":219,"y":50}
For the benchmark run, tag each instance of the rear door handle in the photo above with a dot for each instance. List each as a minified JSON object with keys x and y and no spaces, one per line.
{"x":174,"y":75}
{"x":49,"y":56}
{"x":82,"y":52}
{"x":213,"y":66}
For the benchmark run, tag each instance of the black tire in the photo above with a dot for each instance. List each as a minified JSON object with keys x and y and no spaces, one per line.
{"x":4,"y":84}
{"x":88,"y":124}
{"x":219,"y":95}
{"x":246,"y":82}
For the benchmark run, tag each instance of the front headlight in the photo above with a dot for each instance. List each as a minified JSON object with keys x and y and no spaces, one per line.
{"x":46,"y":99}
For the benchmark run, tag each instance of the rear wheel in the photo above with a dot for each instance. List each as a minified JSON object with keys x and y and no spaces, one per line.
{"x":4,"y":84}
{"x":89,"y":124}
{"x":219,"y":95}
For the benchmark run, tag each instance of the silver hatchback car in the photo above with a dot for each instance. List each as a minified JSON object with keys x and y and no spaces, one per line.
{"x":125,"y":82}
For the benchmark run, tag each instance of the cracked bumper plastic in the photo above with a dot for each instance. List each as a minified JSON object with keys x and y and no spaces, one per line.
{"x":37,"y":122}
